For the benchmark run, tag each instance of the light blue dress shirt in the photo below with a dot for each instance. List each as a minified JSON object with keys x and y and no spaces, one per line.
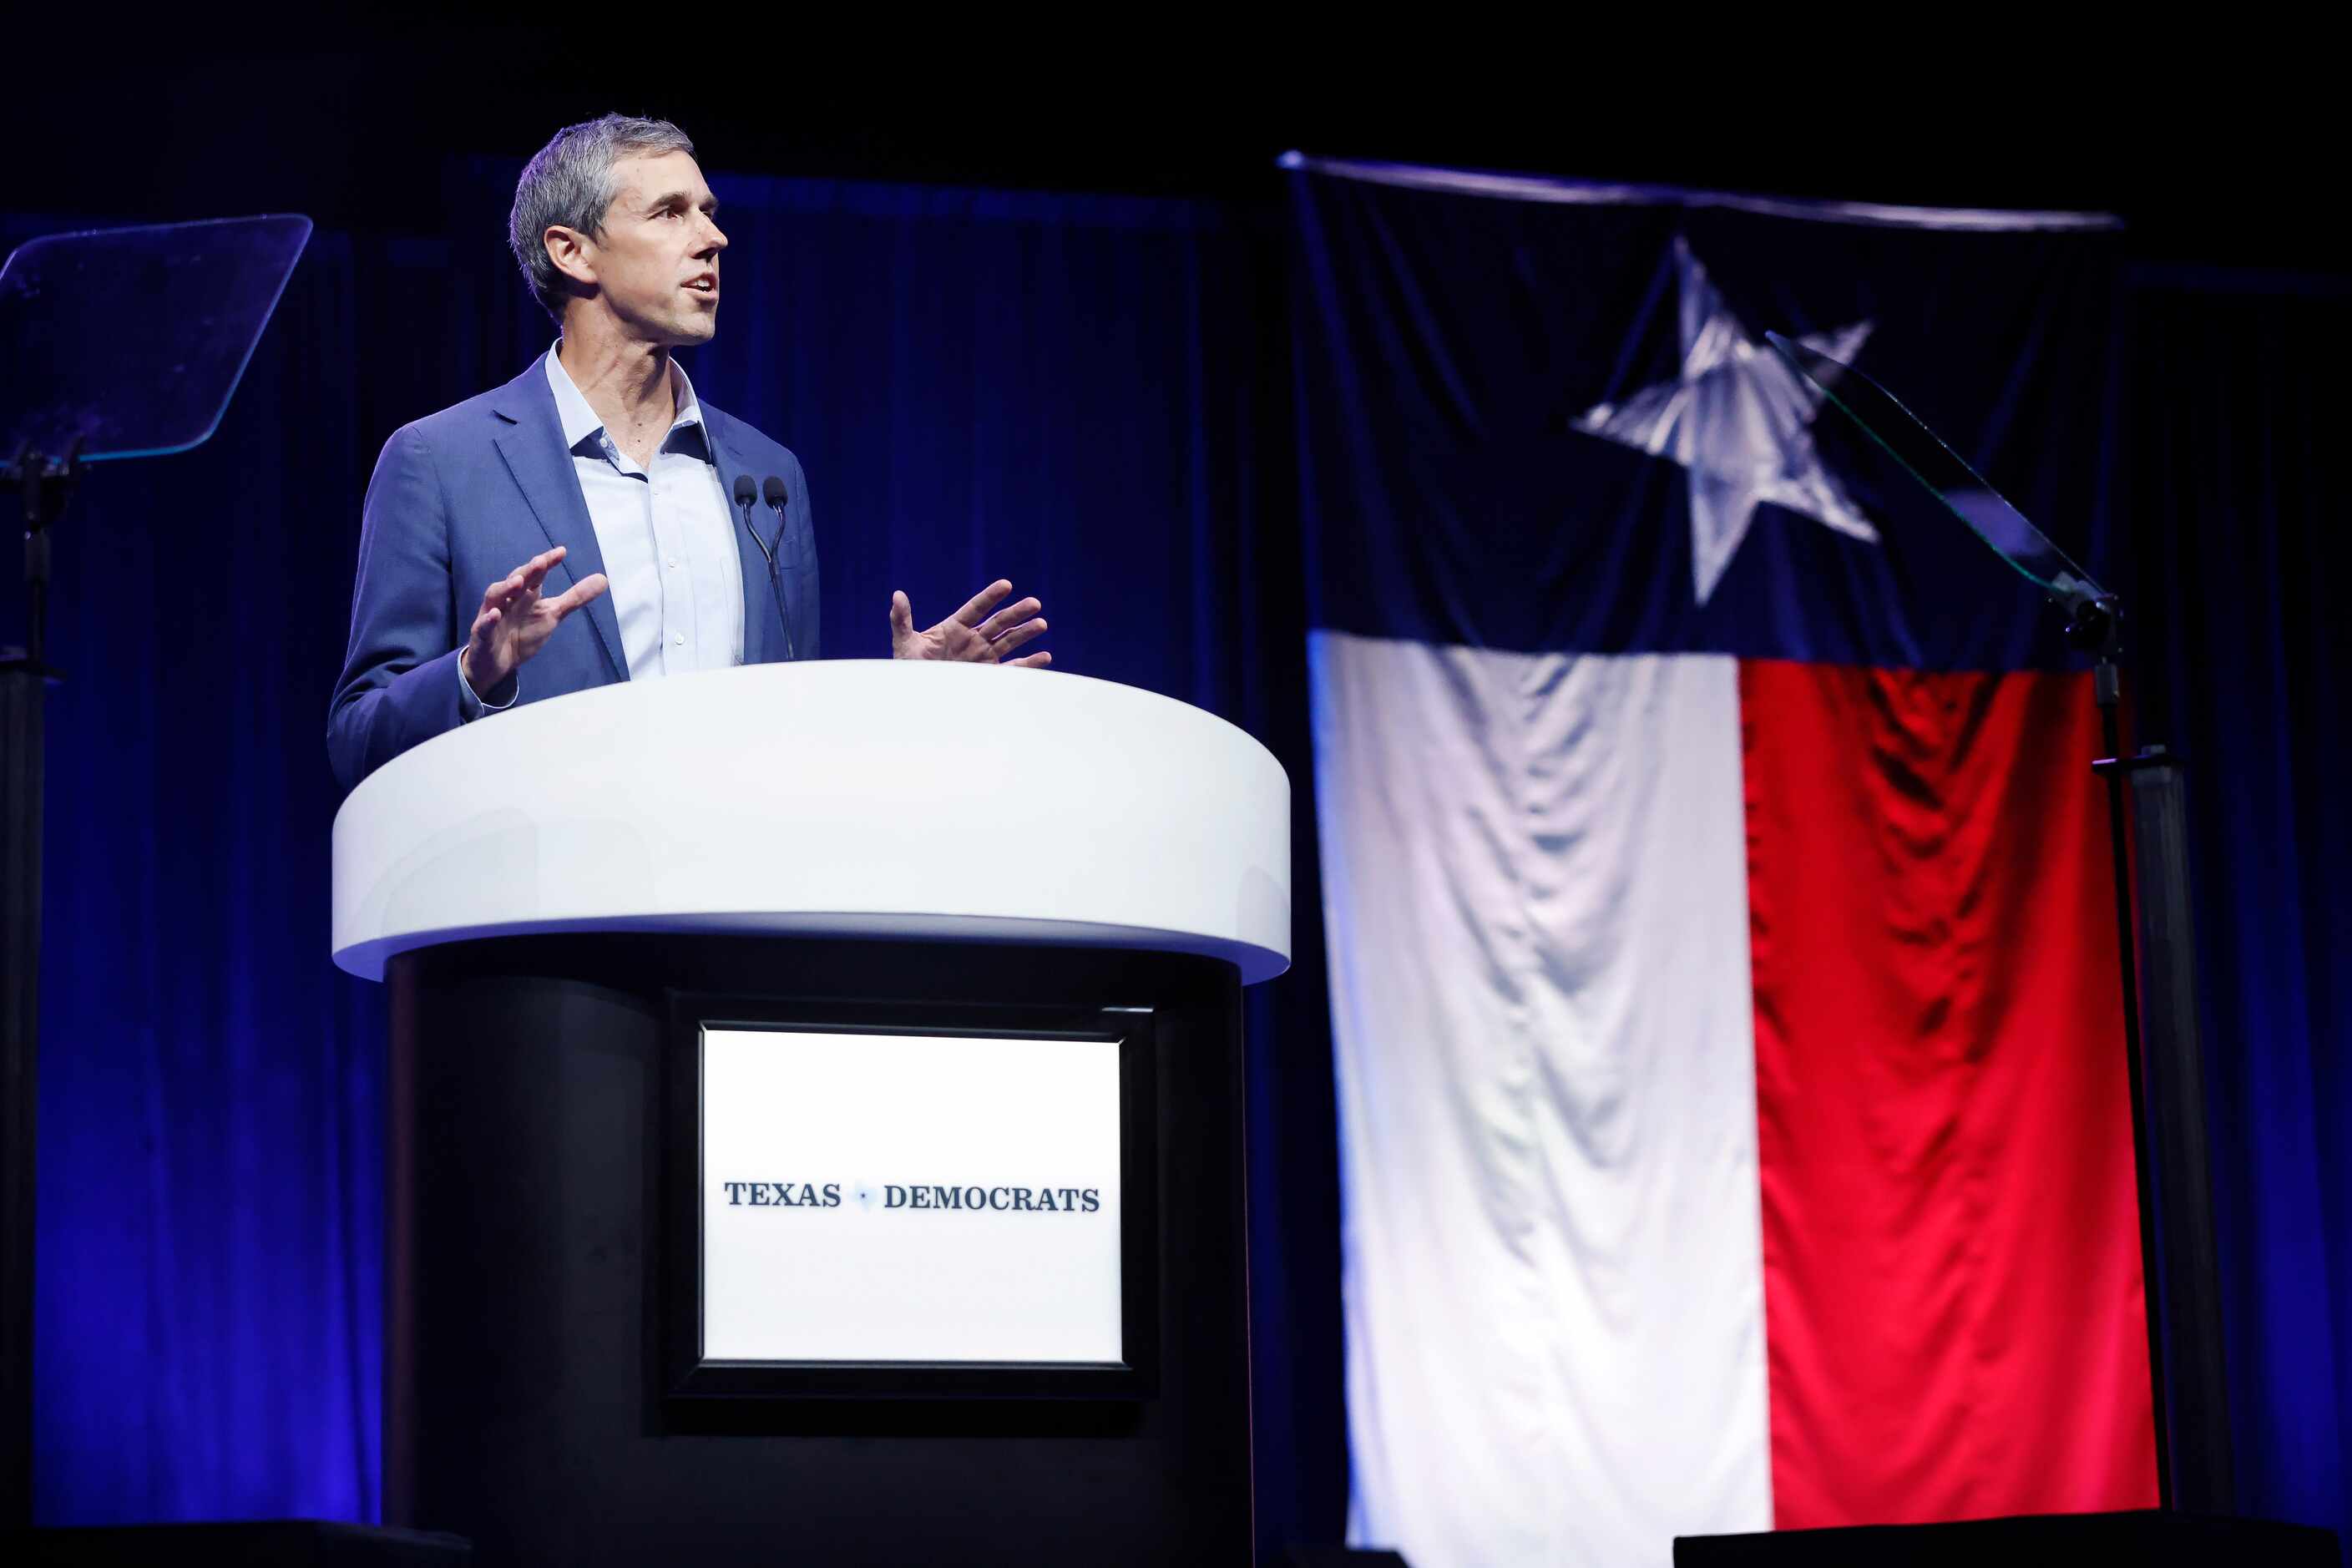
{"x":667,"y":538}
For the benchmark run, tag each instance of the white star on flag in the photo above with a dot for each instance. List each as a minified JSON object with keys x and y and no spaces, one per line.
{"x":1739,"y":419}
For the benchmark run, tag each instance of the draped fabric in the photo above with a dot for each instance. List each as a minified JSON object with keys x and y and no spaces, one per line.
{"x":1061,"y":390}
{"x":1554,"y":1301}
{"x":1950,"y":1247}
{"x":2237,"y":406}
{"x":1733,"y":1113}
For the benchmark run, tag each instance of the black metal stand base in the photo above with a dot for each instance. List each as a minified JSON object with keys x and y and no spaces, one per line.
{"x":43,"y":487}
{"x":2148,"y":823}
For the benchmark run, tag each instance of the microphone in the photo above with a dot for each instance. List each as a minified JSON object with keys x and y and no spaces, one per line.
{"x":746,"y":495}
{"x":772,"y":490}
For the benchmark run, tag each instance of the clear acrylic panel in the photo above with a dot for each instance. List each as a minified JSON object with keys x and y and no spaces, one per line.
{"x":134,"y":339}
{"x":1963,"y":492}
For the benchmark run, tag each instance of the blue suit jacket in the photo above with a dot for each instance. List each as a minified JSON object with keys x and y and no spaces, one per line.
{"x":464,"y":496}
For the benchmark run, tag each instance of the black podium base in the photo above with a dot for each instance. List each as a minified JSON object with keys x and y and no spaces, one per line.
{"x":524,"y":1403}
{"x":2142,"y":1540}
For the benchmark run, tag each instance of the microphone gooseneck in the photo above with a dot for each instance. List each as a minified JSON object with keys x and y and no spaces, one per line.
{"x":747,"y":496}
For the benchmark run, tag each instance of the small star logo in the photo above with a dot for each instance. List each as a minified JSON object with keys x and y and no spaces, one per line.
{"x":1740,"y":420}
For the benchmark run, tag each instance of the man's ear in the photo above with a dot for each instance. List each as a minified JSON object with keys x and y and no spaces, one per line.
{"x":570,"y":250}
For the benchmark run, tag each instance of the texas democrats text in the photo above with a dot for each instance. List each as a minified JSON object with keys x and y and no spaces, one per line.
{"x":1001,"y":1200}
{"x":1022,"y":1200}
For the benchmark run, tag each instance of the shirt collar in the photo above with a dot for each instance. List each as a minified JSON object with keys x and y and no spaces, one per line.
{"x":580,"y":421}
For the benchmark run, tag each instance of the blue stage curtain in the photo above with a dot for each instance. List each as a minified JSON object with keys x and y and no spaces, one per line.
{"x":2237,"y":409}
{"x":1069,"y":390}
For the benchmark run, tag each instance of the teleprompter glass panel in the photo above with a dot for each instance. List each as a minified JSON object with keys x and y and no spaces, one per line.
{"x":1922,"y":454}
{"x":128,"y":343}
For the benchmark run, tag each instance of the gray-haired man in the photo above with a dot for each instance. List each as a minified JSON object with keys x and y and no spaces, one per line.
{"x":596,"y":481}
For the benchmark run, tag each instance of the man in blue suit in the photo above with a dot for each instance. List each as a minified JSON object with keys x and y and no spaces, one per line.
{"x":627,"y":529}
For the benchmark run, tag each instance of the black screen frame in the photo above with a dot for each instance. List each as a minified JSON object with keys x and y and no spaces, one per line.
{"x":692,"y":1379}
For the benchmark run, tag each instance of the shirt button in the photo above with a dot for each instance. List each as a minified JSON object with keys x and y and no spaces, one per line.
{"x":673,"y":562}
{"x":677,"y":637}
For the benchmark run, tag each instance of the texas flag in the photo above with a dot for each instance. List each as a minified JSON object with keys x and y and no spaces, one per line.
{"x":1730,"y":1064}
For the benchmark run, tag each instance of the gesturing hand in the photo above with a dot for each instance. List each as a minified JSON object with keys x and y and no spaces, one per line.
{"x":971,"y":634}
{"x":515,"y":623}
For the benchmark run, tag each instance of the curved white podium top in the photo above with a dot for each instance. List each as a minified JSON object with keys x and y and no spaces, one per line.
{"x":852,"y":797}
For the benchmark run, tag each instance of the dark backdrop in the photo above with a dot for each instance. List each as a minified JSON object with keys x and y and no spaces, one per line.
{"x":2236,"y":413}
{"x":1088,"y":394}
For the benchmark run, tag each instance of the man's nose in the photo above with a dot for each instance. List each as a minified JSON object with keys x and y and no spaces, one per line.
{"x":715,"y":237}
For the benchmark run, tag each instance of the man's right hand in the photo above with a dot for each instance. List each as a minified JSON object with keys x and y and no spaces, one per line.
{"x":515,"y":623}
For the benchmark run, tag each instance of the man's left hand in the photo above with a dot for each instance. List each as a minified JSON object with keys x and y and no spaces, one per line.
{"x":972,"y":634}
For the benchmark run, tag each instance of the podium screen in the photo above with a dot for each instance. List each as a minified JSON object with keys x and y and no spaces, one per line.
{"x":877,"y":1198}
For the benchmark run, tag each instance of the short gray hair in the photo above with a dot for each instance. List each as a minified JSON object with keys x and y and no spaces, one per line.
{"x":570,"y":181}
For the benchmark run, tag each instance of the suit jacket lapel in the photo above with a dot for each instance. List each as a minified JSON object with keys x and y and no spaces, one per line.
{"x":532,"y":445}
{"x":759,"y":599}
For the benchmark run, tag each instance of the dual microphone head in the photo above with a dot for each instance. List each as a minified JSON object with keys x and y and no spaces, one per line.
{"x":747,"y":492}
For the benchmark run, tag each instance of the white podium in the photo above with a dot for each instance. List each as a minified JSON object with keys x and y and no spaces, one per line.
{"x":575,"y":902}
{"x":849,"y":798}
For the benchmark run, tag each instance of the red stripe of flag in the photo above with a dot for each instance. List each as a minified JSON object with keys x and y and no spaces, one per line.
{"x":1951,"y":1245}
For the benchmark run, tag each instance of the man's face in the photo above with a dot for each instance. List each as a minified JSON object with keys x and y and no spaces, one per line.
{"x":655,"y":264}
